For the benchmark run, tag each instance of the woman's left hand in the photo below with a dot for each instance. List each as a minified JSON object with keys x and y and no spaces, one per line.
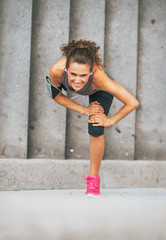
{"x":100,"y":120}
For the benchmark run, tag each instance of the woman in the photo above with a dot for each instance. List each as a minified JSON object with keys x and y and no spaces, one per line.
{"x":81,"y":71}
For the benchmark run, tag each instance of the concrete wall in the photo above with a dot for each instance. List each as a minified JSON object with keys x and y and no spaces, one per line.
{"x":47,"y":120}
{"x":132,"y":37}
{"x":151,"y":86}
{"x":15,"y":47}
{"x":121,"y":37}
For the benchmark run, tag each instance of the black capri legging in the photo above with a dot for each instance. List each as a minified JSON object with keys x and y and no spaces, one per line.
{"x":105,"y":99}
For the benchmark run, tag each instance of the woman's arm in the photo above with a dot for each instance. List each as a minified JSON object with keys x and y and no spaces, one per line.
{"x":103,"y":82}
{"x":93,"y":108}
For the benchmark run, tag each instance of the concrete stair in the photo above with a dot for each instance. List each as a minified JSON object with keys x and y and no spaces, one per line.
{"x":21,"y":174}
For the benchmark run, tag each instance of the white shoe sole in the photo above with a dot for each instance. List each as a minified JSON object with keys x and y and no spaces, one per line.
{"x":92,"y":196}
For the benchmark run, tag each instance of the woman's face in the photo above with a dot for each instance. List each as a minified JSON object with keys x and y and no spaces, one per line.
{"x":78,"y":75}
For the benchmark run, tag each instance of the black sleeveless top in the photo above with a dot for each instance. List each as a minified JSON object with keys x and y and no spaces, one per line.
{"x":86,"y":90}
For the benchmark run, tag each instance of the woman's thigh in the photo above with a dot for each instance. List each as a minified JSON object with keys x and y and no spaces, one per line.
{"x":105,"y":99}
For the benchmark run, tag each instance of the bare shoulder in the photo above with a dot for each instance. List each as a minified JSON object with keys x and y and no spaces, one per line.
{"x":56,"y":71}
{"x":101,"y":80}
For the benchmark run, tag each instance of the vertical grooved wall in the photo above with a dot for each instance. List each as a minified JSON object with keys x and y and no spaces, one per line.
{"x":151,"y":89}
{"x":15,"y":39}
{"x":121,"y":61}
{"x":46,"y":118}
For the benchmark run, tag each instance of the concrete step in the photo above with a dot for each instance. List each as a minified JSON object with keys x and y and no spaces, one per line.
{"x":119,"y":214}
{"x":23,"y":174}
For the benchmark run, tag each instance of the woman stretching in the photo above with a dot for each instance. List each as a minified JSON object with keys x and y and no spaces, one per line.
{"x":81,"y":71}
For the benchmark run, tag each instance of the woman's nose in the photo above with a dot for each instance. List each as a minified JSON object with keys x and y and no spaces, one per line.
{"x":77,"y":79}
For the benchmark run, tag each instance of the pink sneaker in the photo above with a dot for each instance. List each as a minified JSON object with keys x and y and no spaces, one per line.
{"x":93,"y":186}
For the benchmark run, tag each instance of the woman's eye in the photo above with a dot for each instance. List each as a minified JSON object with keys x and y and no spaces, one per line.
{"x":83,"y":76}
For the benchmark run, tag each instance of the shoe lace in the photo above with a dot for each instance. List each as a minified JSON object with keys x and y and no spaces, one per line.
{"x":91,"y":182}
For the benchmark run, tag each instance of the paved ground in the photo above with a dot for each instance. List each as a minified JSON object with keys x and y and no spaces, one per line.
{"x":119,"y":214}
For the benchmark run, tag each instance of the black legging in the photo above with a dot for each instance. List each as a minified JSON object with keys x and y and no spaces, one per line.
{"x":105,"y":99}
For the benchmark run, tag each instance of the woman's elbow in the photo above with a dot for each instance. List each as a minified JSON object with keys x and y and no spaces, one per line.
{"x":135,"y":104}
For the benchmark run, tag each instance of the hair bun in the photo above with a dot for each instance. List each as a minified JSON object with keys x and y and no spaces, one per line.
{"x":90,"y":45}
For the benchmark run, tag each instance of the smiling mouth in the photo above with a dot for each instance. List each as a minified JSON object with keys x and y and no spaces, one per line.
{"x":77,"y":85}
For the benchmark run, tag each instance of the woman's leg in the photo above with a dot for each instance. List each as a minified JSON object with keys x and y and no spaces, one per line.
{"x":96,"y":148}
{"x":97,"y":143}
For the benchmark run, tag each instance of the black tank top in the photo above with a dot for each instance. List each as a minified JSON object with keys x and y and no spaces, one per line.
{"x":87,"y":89}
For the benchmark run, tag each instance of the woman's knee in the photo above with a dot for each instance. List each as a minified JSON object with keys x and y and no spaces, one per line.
{"x":95,"y":131}
{"x":94,"y":138}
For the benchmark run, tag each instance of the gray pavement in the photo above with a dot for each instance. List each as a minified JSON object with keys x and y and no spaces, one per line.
{"x":120,"y":214}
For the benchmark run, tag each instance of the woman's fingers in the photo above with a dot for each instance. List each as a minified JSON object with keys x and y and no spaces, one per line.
{"x":100,"y":120}
{"x":95,"y":102}
{"x":96,"y":108}
{"x":95,"y":120}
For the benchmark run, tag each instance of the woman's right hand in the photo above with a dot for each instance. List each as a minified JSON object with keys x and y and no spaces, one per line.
{"x":94,"y":108}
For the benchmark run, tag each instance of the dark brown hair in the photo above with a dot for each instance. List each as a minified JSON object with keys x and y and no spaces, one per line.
{"x":81,"y":51}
